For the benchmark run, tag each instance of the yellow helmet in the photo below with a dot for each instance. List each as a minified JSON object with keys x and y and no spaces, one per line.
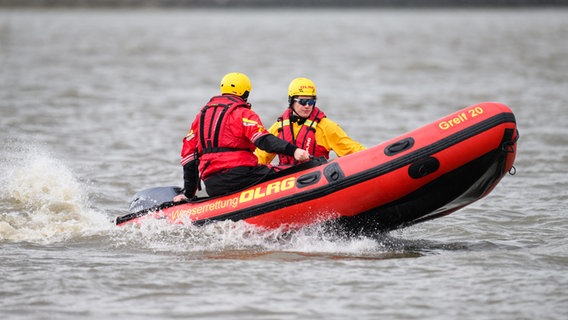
{"x":236,"y":83}
{"x":301,"y":87}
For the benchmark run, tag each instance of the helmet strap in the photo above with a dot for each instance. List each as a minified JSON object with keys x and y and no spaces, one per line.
{"x":295,"y":117}
{"x":291,"y":101}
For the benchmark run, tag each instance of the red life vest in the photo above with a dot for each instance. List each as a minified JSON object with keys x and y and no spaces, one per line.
{"x":221,"y":144}
{"x":306,"y":138}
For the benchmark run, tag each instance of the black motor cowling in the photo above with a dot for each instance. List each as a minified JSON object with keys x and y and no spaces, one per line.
{"x":153,"y":197}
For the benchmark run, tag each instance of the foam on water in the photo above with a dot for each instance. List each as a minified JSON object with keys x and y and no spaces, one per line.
{"x":43,"y":201}
{"x":222,"y":238}
{"x":41,"y":198}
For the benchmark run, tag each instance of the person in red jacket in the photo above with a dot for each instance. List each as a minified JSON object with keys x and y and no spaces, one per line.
{"x":220,"y":144}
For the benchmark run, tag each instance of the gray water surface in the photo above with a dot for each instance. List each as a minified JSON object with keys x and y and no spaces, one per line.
{"x":94,"y":104}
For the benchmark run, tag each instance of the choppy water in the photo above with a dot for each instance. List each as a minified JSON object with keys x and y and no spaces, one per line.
{"x":93,"y":105}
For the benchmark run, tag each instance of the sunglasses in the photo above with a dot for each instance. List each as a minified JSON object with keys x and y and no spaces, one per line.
{"x":309,"y":102}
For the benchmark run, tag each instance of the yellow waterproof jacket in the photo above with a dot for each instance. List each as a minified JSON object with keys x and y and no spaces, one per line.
{"x":328,"y":135}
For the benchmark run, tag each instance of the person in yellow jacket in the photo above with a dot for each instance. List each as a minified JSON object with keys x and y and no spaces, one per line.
{"x":306,"y":126}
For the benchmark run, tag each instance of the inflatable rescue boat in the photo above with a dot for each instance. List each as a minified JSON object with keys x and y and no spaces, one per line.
{"x":424,"y":174}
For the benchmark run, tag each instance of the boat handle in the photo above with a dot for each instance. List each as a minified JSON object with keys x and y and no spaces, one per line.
{"x":423,"y":167}
{"x":308,"y":179}
{"x":333,"y":172}
{"x":399,"y":146}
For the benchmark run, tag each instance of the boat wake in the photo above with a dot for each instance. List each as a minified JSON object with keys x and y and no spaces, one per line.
{"x":43,"y":202}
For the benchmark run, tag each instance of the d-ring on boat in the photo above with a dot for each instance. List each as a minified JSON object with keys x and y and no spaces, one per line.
{"x":424,"y":174}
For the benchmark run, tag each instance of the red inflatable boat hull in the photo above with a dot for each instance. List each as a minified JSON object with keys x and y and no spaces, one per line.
{"x":421,"y":175}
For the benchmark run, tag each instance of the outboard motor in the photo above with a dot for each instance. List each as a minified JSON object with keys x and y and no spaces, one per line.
{"x":153,"y":197}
